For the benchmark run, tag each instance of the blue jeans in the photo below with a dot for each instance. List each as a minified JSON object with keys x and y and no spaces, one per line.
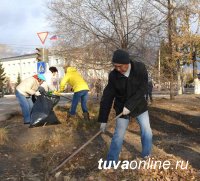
{"x":26,"y":105}
{"x":83,"y":96}
{"x":120,"y":129}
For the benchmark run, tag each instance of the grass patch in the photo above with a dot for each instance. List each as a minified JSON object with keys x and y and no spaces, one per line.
{"x":3,"y":136}
{"x":78,"y":122}
{"x":40,"y":144}
{"x":58,"y":136}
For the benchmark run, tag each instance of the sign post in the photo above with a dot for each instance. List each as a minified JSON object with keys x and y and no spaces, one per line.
{"x":41,"y":65}
{"x":42,"y":36}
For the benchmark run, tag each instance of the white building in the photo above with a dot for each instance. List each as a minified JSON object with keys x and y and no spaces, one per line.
{"x":26,"y":66}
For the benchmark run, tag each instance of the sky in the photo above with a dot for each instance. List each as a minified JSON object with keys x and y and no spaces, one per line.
{"x":20,"y":21}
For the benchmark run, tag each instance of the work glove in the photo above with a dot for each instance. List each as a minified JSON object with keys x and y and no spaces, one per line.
{"x":103,"y":127}
{"x":49,"y":93}
{"x":125,"y":111}
{"x":38,"y":93}
{"x":56,"y":93}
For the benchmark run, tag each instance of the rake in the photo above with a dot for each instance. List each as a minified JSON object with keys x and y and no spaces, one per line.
{"x":77,"y":151}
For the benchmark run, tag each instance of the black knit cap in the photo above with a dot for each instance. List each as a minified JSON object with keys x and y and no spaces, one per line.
{"x":120,"y":57}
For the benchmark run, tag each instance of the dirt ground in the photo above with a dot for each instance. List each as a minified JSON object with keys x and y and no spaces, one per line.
{"x":30,"y":154}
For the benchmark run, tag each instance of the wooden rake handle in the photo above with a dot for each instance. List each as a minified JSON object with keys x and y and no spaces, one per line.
{"x":77,"y":151}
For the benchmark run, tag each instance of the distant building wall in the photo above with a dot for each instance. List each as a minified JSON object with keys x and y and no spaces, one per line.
{"x":25,"y":66}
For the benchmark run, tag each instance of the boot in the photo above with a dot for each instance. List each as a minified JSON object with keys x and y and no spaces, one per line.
{"x":70,"y":117}
{"x":86,"y":116}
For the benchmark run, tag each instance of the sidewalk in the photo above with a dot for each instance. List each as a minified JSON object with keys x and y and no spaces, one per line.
{"x":9,"y":106}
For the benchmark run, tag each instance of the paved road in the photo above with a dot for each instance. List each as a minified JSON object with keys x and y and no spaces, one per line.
{"x":9,"y":104}
{"x":8,"y":107}
{"x":167,"y":92}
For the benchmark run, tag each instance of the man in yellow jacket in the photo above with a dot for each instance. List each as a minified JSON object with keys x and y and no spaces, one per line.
{"x":80,"y":89}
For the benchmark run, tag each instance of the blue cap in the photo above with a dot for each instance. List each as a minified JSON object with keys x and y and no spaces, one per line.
{"x":41,"y":76}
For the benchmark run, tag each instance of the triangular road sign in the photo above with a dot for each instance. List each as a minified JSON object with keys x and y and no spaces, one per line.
{"x":42,"y":36}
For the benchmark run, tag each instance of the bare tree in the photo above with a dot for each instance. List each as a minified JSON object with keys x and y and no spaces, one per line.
{"x":180,"y":16}
{"x":167,"y":9}
{"x":111,"y":24}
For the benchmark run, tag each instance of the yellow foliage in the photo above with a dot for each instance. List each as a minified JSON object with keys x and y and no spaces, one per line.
{"x":3,"y":136}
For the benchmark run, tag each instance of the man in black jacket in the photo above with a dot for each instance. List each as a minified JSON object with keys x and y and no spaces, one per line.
{"x":127,"y":86}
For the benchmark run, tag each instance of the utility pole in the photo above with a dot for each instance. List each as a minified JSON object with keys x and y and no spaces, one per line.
{"x":196,"y":80}
{"x":179,"y":75}
{"x":43,"y":53}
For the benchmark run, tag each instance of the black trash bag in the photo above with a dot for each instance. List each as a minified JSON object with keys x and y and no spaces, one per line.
{"x":41,"y":90}
{"x":42,"y":111}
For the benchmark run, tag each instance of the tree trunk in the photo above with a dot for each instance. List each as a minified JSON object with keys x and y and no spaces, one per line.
{"x":159,"y":85}
{"x":171,"y":88}
{"x":170,"y":32}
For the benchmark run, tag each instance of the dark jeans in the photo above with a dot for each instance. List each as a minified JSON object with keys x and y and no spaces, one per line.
{"x":79,"y":96}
